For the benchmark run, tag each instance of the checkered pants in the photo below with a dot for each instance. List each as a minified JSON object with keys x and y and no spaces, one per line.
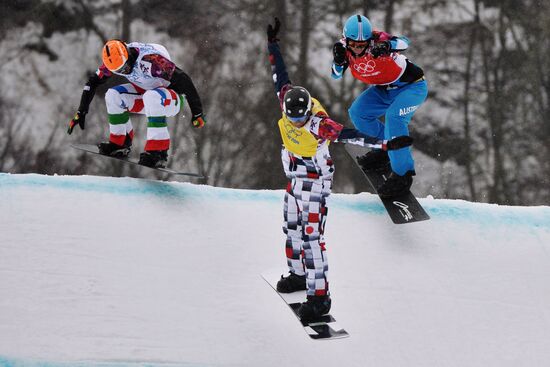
{"x":305,"y":212}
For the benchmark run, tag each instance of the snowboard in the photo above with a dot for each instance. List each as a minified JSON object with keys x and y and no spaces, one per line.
{"x":402,"y":209}
{"x":323,"y":328}
{"x":91,"y":148}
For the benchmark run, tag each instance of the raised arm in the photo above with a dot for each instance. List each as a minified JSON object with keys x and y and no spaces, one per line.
{"x":278,"y":68}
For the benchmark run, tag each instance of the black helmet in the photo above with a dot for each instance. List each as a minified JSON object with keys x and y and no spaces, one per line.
{"x":297,"y":104}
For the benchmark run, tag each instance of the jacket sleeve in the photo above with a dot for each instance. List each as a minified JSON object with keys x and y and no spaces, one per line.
{"x":181,"y":83}
{"x":323,"y":127}
{"x":398,"y":43}
{"x":88,"y":92}
{"x":278,"y":69}
{"x":338,"y":71}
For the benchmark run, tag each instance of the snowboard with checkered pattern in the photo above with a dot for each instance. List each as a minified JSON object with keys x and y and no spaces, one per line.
{"x":322,"y":328}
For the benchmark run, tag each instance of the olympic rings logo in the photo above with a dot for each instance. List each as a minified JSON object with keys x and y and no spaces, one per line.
{"x":364,"y":68}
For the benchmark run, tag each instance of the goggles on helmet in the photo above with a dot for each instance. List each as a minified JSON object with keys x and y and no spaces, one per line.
{"x":356,"y":44}
{"x":125,"y":69}
{"x":299,"y":119}
{"x":297,"y":104}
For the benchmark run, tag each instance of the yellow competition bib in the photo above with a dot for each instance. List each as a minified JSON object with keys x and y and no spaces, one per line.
{"x":299,"y":140}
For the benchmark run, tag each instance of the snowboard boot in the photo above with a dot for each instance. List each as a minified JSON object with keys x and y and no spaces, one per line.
{"x":396,"y":185}
{"x":114,"y":150}
{"x":154,"y":158}
{"x":374,"y":160}
{"x":291,"y":283}
{"x":314,"y":307}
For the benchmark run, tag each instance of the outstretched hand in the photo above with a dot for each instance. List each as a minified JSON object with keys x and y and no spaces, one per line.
{"x":273,"y":30}
{"x":398,"y":143}
{"x":198,"y":121}
{"x":78,"y":119}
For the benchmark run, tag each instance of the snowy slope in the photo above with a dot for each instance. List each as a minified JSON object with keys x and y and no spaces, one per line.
{"x":127,"y":272}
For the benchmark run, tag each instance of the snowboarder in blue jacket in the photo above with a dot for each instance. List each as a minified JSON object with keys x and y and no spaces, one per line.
{"x":397,"y":89}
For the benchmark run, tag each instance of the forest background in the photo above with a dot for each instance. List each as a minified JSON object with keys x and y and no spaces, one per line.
{"x":482,"y":135}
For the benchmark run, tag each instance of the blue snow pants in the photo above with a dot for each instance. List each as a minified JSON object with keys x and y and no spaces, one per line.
{"x":398,"y":105}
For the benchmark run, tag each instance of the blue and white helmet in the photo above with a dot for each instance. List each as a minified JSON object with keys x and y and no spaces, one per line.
{"x":357,"y":28}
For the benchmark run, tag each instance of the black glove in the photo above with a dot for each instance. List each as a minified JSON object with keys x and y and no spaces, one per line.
{"x":339,"y":52}
{"x":272,"y":31}
{"x":397,"y":143}
{"x":198,"y":120}
{"x":380,"y":49}
{"x":78,"y":119}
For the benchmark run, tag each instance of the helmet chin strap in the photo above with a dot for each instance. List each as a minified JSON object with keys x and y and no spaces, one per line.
{"x":132,"y":55}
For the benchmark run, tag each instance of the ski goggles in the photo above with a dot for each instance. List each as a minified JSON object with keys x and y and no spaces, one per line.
{"x":357,"y":44}
{"x":125,"y":69}
{"x":297,"y":120}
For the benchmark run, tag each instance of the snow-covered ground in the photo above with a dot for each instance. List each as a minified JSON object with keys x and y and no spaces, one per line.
{"x":127,"y":272}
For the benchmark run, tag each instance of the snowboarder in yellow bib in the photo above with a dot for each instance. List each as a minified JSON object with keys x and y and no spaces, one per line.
{"x":306,"y":131}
